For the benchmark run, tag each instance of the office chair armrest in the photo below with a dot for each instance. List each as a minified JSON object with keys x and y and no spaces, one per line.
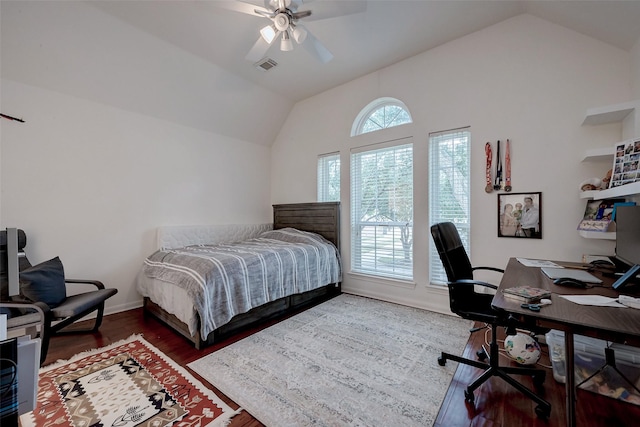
{"x":467,"y":282}
{"x":98,"y":284}
{"x":40,"y":307}
{"x":499,"y":270}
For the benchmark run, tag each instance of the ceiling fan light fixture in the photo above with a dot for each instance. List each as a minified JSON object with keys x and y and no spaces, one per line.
{"x":299,"y":34}
{"x":268,"y":33}
{"x":285,"y":44}
{"x":282,"y":21}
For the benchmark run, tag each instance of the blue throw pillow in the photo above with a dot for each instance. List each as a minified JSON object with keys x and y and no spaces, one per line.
{"x":44,"y":282}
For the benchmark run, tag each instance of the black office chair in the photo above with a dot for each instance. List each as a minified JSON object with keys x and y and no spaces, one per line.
{"x":33,"y":311}
{"x":469,"y":304}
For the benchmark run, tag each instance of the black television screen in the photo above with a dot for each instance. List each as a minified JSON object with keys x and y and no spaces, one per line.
{"x":628,"y":241}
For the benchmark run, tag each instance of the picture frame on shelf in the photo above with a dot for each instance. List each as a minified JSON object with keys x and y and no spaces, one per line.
{"x":598,"y":215}
{"x":520,"y":215}
{"x":626,"y":163}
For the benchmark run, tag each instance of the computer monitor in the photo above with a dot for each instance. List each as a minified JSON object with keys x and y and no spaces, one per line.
{"x":628,"y":242}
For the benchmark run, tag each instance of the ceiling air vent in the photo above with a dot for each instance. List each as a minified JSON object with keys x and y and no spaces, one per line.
{"x":265,"y":64}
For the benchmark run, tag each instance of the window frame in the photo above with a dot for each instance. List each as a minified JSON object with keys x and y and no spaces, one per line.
{"x":327,"y":162}
{"x":371,"y":108}
{"x":400,"y":268}
{"x":462,"y":196}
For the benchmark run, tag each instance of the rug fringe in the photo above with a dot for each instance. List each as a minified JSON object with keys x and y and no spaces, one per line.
{"x":232,"y":414}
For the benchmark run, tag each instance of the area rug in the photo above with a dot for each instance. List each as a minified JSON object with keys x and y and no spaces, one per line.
{"x":130,"y":383}
{"x":349,"y":361}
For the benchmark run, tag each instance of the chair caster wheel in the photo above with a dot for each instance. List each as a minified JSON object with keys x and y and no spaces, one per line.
{"x":538,"y":380}
{"x":543,"y":412}
{"x":482,"y":355}
{"x":442,"y":361}
{"x":468,"y":396}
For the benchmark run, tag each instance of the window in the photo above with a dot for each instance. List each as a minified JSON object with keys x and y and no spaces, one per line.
{"x":381,"y":114}
{"x":382,"y":210}
{"x":449,"y":183}
{"x":329,"y":177}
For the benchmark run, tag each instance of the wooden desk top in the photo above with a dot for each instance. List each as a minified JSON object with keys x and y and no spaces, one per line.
{"x":608,"y":323}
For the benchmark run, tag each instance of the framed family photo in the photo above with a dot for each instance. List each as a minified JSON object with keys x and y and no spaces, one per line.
{"x":519,"y":215}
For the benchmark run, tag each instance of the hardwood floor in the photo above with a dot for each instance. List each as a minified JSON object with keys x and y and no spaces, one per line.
{"x":496,"y":403}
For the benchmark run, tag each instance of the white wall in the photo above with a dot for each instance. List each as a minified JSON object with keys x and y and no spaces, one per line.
{"x":123,"y":133}
{"x":635,"y":70}
{"x":75,"y":48}
{"x":90,"y":183}
{"x":524,"y":79}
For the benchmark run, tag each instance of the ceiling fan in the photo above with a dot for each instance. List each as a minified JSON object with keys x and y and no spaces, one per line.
{"x":285,"y":27}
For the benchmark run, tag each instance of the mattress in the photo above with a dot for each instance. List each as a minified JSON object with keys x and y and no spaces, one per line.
{"x":220,"y":281}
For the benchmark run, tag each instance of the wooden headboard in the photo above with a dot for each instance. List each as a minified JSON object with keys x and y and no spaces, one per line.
{"x":322,"y":218}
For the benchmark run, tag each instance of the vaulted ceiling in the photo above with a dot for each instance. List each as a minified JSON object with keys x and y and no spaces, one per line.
{"x":383,"y":33}
{"x":184,"y":61}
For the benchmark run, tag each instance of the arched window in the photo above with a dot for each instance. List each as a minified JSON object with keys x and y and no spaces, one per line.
{"x":381,"y":114}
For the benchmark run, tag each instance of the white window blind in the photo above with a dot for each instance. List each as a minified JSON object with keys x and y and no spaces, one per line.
{"x":449,"y":197}
{"x":382,"y":211}
{"x":329,"y":177}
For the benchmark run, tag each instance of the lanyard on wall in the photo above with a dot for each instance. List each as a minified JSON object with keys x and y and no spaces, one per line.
{"x":488,"y":154}
{"x":507,"y":161}
{"x":498,"y":183}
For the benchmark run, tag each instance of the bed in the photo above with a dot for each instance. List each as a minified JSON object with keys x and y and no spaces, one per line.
{"x":249,"y":267}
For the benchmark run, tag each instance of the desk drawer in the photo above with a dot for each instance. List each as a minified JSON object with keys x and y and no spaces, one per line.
{"x":590,"y":358}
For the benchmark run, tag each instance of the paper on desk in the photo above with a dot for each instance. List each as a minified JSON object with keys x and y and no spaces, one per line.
{"x":597,"y":300}
{"x":537,"y":263}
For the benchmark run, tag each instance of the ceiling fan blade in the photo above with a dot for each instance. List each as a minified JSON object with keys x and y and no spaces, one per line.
{"x":258,"y":50}
{"x":302,"y":14}
{"x":295,"y":4}
{"x":316,"y":49}
{"x":266,"y":14}
{"x":239,"y":6}
{"x":275,"y":4}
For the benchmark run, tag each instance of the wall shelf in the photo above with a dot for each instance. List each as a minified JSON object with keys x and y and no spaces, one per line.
{"x":610,"y":114}
{"x":627,"y":113}
{"x":604,"y":235}
{"x":598,"y":154}
{"x":590,"y":195}
{"x":610,"y":193}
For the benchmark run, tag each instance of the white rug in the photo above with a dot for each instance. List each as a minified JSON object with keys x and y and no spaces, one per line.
{"x":349,"y":361}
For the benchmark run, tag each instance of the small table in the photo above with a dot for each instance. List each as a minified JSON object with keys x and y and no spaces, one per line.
{"x":608,"y":323}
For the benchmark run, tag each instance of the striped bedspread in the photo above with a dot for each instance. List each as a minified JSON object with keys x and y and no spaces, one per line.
{"x":228,"y":279}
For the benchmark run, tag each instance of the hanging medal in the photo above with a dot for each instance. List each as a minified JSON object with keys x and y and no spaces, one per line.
{"x":498,"y":182}
{"x":507,"y":165}
{"x":489,"y":155}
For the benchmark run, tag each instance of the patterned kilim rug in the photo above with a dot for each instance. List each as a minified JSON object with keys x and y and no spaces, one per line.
{"x":130,"y":383}
{"x":348,"y":361}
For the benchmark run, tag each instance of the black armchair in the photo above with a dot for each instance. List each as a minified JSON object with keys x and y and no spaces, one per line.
{"x":469,"y":304}
{"x":43,"y":307}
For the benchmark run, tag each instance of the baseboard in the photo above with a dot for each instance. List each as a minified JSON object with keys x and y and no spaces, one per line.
{"x":113,"y":309}
{"x":400,"y":301}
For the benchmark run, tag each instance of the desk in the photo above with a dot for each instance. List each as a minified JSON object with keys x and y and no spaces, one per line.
{"x":608,"y":323}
